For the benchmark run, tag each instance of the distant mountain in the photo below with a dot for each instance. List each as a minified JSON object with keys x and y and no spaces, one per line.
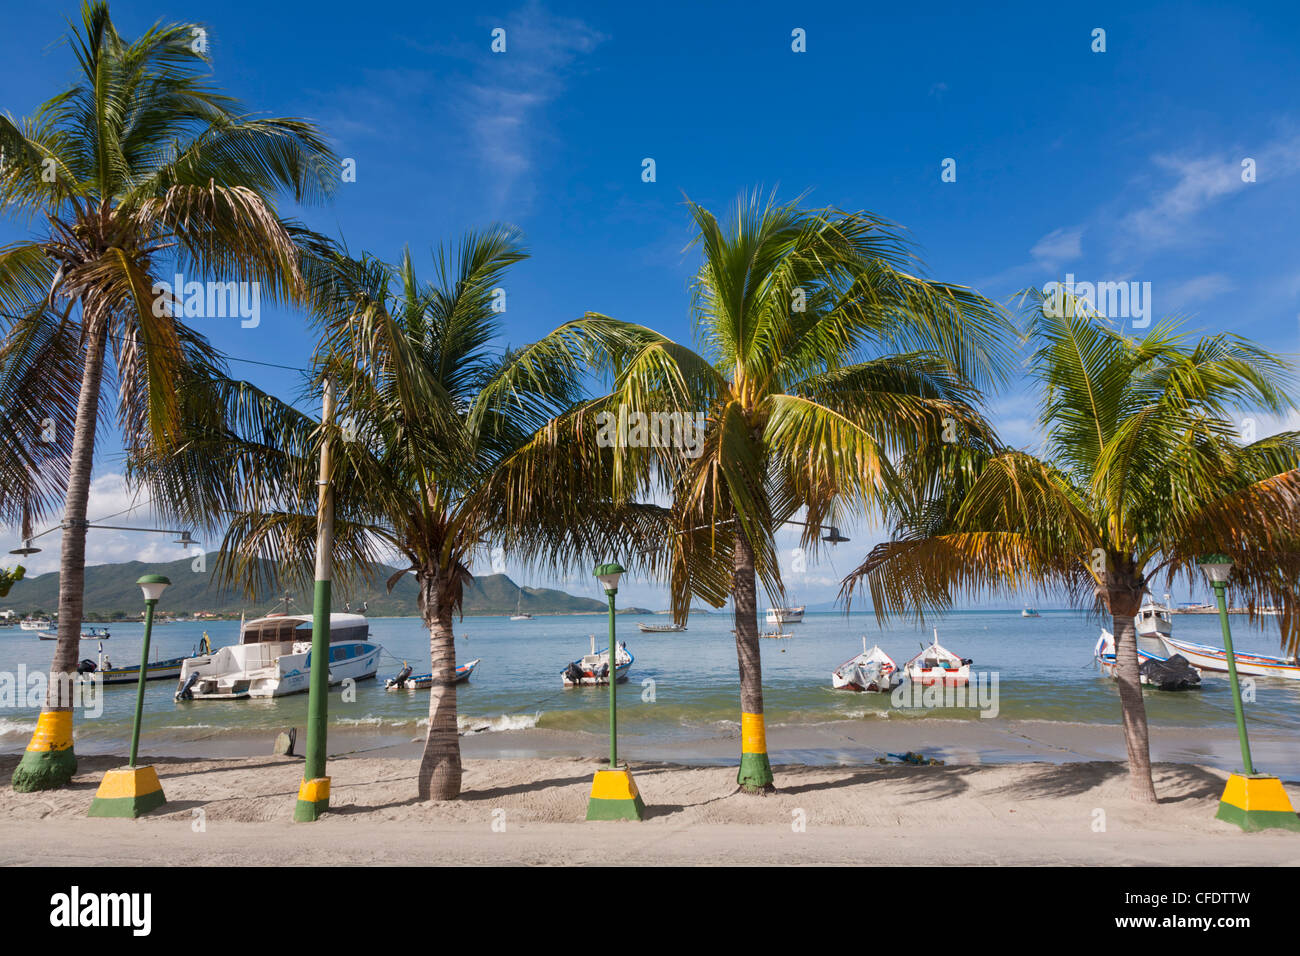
{"x":111,"y":592}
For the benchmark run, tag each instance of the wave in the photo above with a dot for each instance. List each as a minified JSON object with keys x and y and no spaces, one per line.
{"x":478,"y":725}
{"x":17,"y":728}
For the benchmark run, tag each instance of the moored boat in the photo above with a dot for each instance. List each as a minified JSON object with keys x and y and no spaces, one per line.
{"x":1153,"y":620}
{"x":1156,"y":667}
{"x":660,"y":628}
{"x":1209,"y":658}
{"x":777,"y":634}
{"x":938,"y":665}
{"x":169,"y":668}
{"x":519,"y":614}
{"x":785,"y":615}
{"x":405,"y":681}
{"x":273,"y":659}
{"x":35,"y":624}
{"x":1030,"y":612}
{"x":872,"y":670}
{"x":592,"y":670}
{"x":90,"y":634}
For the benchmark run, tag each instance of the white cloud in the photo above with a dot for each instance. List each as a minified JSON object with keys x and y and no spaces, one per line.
{"x":1168,"y":218}
{"x":502,"y":104}
{"x":1059,"y":246}
{"x":1190,"y":294}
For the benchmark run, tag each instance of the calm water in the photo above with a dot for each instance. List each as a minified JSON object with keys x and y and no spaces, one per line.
{"x":1044,"y":668}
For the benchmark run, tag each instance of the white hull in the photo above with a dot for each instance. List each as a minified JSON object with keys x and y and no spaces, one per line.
{"x":938,"y":665}
{"x":587,"y":672}
{"x":1205,"y":657}
{"x":28,"y":625}
{"x":872,"y":670}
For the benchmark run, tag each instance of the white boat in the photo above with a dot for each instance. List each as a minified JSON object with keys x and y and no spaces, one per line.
{"x":89,"y":634}
{"x":1155,"y":639}
{"x":1154,"y":620}
{"x":519,"y":614}
{"x":1209,"y":658}
{"x":777,"y":634}
{"x":273,"y":659}
{"x":872,"y":670}
{"x":1157,"y":666}
{"x":36,"y":624}
{"x":592,"y":670}
{"x":938,"y":665}
{"x":660,"y":628}
{"x":785,"y":615}
{"x":1030,"y":612}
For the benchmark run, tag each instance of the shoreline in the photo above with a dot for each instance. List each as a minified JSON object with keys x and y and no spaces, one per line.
{"x":238,"y":812}
{"x":844,"y":743}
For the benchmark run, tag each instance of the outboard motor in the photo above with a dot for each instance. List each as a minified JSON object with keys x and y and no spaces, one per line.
{"x":1177,"y":673}
{"x":187,"y":689}
{"x":87,"y":666}
{"x":573,"y":673}
{"x":400,"y":679}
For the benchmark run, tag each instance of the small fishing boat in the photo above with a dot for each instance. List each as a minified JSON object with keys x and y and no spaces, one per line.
{"x":130,"y":673}
{"x":1030,"y":612}
{"x":872,"y":670}
{"x":661,"y":628}
{"x":593,"y":669}
{"x":1209,"y":658}
{"x":938,"y":665}
{"x":785,"y":615}
{"x":1159,"y":670}
{"x":404,"y":680}
{"x":273,"y":659}
{"x":89,"y":634}
{"x":777,"y":635}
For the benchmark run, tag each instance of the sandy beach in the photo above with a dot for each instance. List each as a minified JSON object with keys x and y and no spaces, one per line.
{"x":530,"y":811}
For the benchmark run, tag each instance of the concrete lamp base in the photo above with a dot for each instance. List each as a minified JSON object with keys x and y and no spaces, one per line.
{"x":614,"y":796}
{"x":128,"y":792}
{"x":313,"y":799}
{"x":1257,"y":802}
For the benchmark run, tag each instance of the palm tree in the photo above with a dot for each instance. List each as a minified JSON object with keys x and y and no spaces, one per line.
{"x":137,"y":171}
{"x":415,"y":447}
{"x":1143,"y":470}
{"x":822,"y":359}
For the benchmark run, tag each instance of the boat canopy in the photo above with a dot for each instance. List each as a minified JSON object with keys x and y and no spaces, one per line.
{"x":291,"y":628}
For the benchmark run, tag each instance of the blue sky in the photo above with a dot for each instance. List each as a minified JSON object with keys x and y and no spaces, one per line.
{"x":1123,"y":165}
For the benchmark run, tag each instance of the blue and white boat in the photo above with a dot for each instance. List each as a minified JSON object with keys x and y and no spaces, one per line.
{"x":274,"y":659}
{"x":406,"y":681}
{"x":592,"y":670}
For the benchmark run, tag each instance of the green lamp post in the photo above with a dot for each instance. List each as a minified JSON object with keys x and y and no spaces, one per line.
{"x":1253,"y":801}
{"x":314,"y":791}
{"x":614,"y":795}
{"x":131,"y":790}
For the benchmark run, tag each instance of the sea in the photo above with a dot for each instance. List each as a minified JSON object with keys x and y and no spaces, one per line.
{"x":682,"y":687}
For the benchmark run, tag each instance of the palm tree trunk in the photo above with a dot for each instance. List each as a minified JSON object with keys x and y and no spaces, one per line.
{"x":440,"y":767}
{"x":50,"y":761}
{"x":1124,"y":602}
{"x":755,"y":770}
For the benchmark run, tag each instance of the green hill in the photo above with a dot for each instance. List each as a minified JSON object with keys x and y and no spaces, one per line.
{"x":111,"y":592}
